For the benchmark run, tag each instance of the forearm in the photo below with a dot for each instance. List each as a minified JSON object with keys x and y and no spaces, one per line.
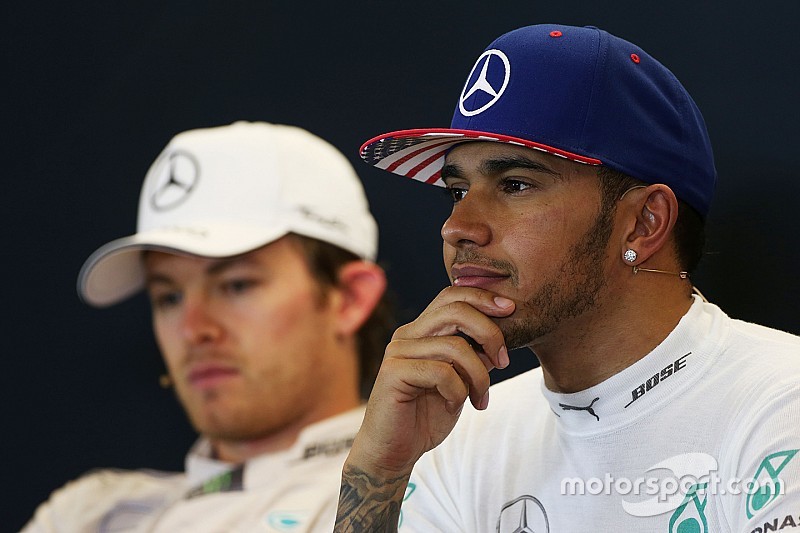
{"x":368,"y":503}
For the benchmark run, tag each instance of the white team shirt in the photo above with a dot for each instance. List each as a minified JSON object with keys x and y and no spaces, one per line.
{"x":663,"y":446}
{"x":295,"y":490}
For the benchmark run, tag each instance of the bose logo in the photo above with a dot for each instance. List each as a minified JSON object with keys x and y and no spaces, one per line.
{"x":666,"y":372}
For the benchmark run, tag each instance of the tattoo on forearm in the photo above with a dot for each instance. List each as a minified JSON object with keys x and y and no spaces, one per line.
{"x":367,"y":504}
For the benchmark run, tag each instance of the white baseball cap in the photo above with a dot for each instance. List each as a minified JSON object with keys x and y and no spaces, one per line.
{"x":228,"y":190}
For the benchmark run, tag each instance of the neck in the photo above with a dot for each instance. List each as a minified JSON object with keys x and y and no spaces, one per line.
{"x":627,"y":324}
{"x":240,"y":451}
{"x":237,"y":451}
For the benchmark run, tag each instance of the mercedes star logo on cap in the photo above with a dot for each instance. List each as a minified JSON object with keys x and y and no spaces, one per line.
{"x":174,"y":180}
{"x":494,"y":88}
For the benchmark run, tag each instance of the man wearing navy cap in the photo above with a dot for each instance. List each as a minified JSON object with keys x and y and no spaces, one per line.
{"x":581,"y":174}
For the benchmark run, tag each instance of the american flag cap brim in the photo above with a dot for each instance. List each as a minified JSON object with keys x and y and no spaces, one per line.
{"x":420,"y":153}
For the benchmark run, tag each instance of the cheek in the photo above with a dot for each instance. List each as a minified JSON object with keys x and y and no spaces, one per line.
{"x":527,"y":235}
{"x":168,"y":340}
{"x":536,"y":243}
{"x":283,"y":346}
{"x":283,"y":320}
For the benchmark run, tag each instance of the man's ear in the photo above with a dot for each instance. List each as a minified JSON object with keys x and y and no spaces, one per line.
{"x":361,"y":285}
{"x":650,"y":214}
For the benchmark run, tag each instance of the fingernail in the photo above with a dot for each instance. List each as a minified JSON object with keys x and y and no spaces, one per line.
{"x":503,"y":303}
{"x":484,"y":401}
{"x":502,"y":357}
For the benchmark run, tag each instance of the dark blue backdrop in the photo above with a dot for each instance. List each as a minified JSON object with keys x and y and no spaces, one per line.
{"x":91,"y":91}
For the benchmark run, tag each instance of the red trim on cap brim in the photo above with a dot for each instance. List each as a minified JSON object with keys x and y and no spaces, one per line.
{"x":433,"y":134}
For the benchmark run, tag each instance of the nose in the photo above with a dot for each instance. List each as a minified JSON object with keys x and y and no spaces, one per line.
{"x":198,"y":322}
{"x":468,"y":224}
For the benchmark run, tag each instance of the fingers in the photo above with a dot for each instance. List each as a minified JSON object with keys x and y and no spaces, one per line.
{"x":465,"y":311}
{"x":487,"y":302}
{"x":447,"y":363}
{"x":430,"y":368}
{"x":415,"y":378}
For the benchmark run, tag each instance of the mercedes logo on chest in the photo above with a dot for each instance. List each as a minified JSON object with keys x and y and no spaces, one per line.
{"x":493,"y":72}
{"x":525,"y":514}
{"x":175,"y":178}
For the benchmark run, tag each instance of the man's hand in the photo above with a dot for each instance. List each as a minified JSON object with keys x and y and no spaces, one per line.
{"x":430,"y":368}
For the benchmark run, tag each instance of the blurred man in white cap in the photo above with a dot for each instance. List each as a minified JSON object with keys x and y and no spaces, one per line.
{"x":256,"y":247}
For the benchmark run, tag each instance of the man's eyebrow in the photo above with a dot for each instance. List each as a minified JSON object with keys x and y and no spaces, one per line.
{"x":451,"y":170}
{"x":214,"y":269}
{"x":498,"y":165}
{"x":230,"y":262}
{"x":152,"y":278}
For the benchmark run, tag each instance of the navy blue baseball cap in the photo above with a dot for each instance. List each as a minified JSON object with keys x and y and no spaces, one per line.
{"x":578,"y":93}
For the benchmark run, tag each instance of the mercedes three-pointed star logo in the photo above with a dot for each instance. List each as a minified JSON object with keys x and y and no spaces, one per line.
{"x":525,"y":514}
{"x":494,"y":88}
{"x":175,"y":178}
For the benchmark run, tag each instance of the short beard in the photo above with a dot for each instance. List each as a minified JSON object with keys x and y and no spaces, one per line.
{"x":571,"y":292}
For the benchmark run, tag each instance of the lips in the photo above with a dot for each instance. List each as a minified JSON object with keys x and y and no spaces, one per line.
{"x":475,"y":276}
{"x":210,"y":374}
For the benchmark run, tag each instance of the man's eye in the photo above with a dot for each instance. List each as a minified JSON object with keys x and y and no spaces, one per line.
{"x":165,"y":300}
{"x":238,"y":286}
{"x":457,"y":193}
{"x":513,"y":185}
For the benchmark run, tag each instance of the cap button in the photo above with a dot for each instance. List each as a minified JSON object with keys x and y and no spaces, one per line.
{"x":555,"y":33}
